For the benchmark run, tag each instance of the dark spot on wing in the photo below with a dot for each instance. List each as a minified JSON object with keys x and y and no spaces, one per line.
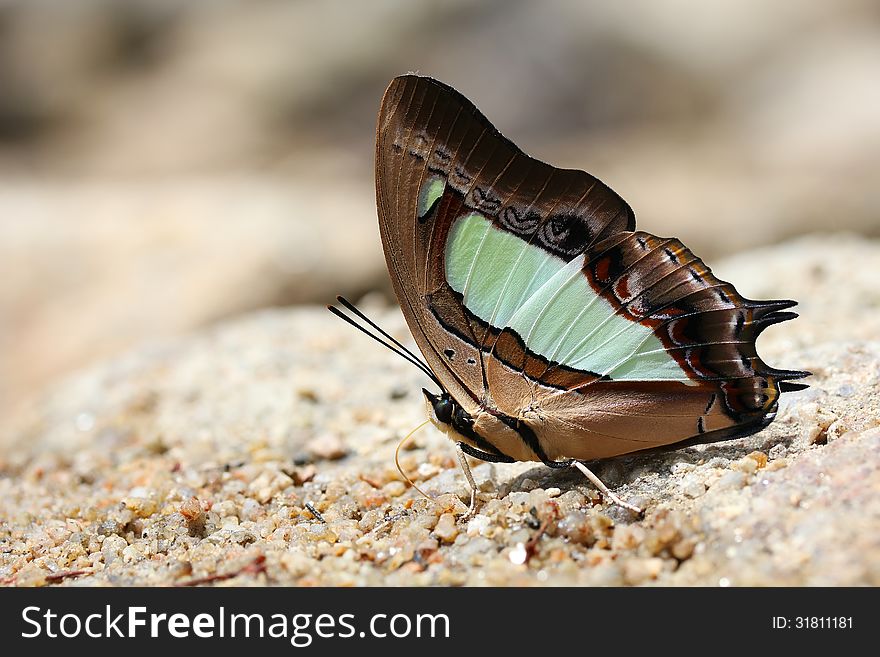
{"x":462,"y":175}
{"x":485,"y":200}
{"x":711,"y":402}
{"x":740,"y":322}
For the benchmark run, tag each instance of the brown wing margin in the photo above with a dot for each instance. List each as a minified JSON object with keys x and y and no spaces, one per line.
{"x":398,"y":177}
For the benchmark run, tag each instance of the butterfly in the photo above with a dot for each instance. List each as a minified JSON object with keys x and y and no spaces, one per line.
{"x":555,"y":330}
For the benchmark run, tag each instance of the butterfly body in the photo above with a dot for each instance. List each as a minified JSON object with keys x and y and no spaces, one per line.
{"x":555,"y":328}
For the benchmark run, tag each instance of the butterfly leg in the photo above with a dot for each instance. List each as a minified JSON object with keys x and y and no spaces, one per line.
{"x":604,"y":489}
{"x":462,"y":459}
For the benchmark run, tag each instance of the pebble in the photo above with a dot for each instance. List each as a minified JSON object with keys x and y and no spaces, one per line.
{"x":684,"y":549}
{"x":572,"y":500}
{"x":628,"y":537}
{"x":112,"y":548}
{"x":518,"y":498}
{"x":813,"y":435}
{"x":131,"y":553}
{"x":746,"y":465}
{"x":638,"y":571}
{"x":693,"y":487}
{"x":760,"y":458}
{"x":143,"y":507}
{"x":427,"y":470}
{"x":478,"y":525}
{"x":328,"y":447}
{"x":518,"y":554}
{"x":395,"y":488}
{"x":474,"y":549}
{"x":250,"y":510}
{"x":835,"y":430}
{"x":777,"y":464}
{"x":194,"y":516}
{"x":446,"y":529}
{"x":606,"y":574}
{"x":578,"y":528}
{"x":451,"y":503}
{"x":730,"y":481}
{"x":180,"y":568}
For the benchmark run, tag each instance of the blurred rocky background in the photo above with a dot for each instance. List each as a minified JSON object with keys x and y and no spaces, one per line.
{"x":168,"y":163}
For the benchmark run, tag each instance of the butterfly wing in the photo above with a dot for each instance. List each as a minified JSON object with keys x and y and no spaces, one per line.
{"x":534,"y":299}
{"x":436,"y":157}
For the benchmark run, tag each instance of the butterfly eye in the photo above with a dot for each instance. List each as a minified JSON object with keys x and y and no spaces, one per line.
{"x":443,"y":409}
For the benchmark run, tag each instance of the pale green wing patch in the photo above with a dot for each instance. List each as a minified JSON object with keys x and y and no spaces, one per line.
{"x":432,"y":189}
{"x":493,"y":269}
{"x":656,"y":364}
{"x":507,"y":282}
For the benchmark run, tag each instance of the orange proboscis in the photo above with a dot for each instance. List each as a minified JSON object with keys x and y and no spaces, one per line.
{"x":397,"y":460}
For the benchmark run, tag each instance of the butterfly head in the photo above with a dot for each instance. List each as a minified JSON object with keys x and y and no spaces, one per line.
{"x":442,"y":408}
{"x":448,"y":416}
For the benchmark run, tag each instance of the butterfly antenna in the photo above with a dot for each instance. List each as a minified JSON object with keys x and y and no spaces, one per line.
{"x":394,"y":345}
{"x":397,"y":460}
{"x":348,"y":304}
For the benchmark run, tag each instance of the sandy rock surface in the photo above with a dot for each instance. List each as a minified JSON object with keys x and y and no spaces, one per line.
{"x":261,"y":452}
